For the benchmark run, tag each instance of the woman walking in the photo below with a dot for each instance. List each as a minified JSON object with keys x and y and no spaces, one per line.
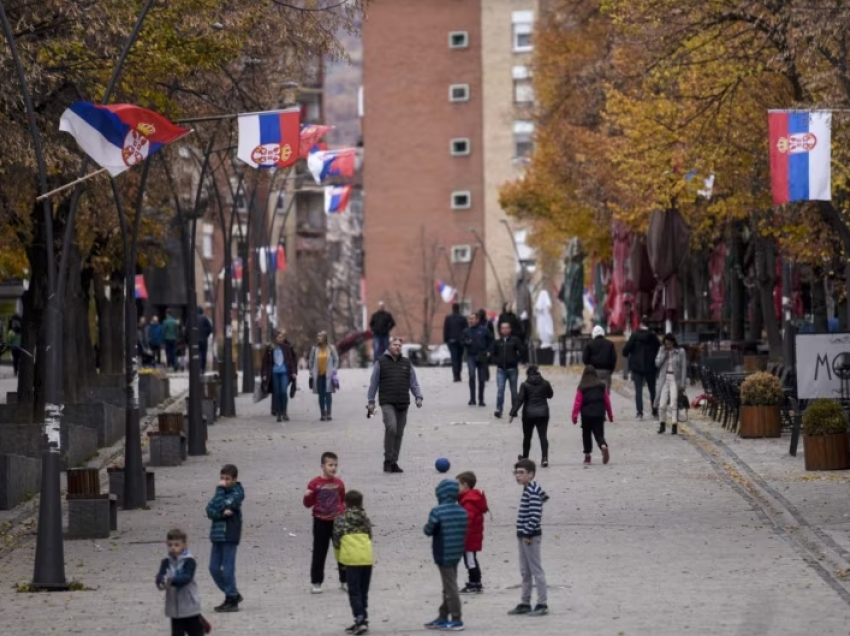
{"x":534,"y":395}
{"x":323,"y":364}
{"x":278,"y":371}
{"x":592,"y":402}
{"x":672,"y":371}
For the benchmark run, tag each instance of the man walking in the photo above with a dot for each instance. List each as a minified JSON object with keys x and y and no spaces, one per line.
{"x":641,"y":350}
{"x":600,"y":354}
{"x":479,"y":345}
{"x":393,"y":379}
{"x":507,"y":354}
{"x":170,"y":332}
{"x":205,"y":330}
{"x":453,"y":337}
{"x":381,"y":324}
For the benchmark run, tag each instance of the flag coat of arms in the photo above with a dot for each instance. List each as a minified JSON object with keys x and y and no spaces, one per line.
{"x":337,"y":198}
{"x":270,"y":140}
{"x":118,"y":136}
{"x":332,"y":163}
{"x":800,"y":155}
{"x":311,"y":135}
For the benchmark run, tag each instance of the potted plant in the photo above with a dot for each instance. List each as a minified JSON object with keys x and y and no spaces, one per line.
{"x":761,"y":395}
{"x":826,"y":444}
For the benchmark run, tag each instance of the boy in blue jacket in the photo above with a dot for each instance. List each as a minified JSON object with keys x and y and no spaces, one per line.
{"x":447,"y":525}
{"x":225,"y":512}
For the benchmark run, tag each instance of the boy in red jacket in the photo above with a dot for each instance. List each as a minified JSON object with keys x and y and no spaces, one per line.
{"x":475,"y":503}
{"x":326,"y":496}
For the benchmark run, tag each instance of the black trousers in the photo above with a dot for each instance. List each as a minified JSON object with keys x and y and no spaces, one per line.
{"x":322,"y":536}
{"x":473,"y":569}
{"x":595,"y":427}
{"x":191,"y":626}
{"x":480,"y":369}
{"x":359,"y":577}
{"x":456,"y":351}
{"x":542,"y":426}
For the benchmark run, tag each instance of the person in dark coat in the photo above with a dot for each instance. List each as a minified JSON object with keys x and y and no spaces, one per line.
{"x":453,"y":328}
{"x":278,"y":374}
{"x":381,"y":324}
{"x":533,"y":398}
{"x":507,"y":355}
{"x":601,"y":355}
{"x":205,"y":330}
{"x":641,"y":349}
{"x":592,"y":403}
{"x":509,"y":316}
{"x":479,"y":346}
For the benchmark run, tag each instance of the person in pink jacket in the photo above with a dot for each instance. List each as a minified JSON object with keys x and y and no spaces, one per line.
{"x":592,"y":403}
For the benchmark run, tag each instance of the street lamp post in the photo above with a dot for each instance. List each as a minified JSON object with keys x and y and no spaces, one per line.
{"x":246,"y":353}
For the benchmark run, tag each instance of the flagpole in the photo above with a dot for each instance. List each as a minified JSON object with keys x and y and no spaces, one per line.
{"x":70,"y":185}
{"x":195,"y":120}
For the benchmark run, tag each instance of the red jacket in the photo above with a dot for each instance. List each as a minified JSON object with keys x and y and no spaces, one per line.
{"x":475,"y":503}
{"x":327,"y":499}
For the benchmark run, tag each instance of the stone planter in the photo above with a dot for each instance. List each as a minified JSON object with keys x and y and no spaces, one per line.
{"x":827,"y":452}
{"x":116,"y":485}
{"x":760,"y":421}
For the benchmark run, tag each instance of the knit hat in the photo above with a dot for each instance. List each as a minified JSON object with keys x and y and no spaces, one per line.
{"x":598,"y":331}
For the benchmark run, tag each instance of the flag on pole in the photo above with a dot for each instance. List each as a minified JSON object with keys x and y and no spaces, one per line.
{"x":311,"y":135}
{"x":236,"y":269}
{"x":332,"y":163}
{"x":800,"y":155}
{"x":281,"y":258}
{"x":141,"y":289}
{"x":118,"y":136}
{"x":269,"y":140}
{"x":337,"y":198}
{"x":446,"y":292}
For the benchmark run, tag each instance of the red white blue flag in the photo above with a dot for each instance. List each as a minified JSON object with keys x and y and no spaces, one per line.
{"x":118,"y":136}
{"x":337,"y":198}
{"x":800,"y":155}
{"x":270,"y":140}
{"x":332,"y":163}
{"x":311,"y":135}
{"x":141,"y":289}
{"x":446,"y":292}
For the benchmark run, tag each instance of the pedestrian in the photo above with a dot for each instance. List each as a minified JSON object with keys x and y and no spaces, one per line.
{"x":278,"y":374}
{"x":672,"y":374}
{"x":381,"y":324}
{"x":507,"y":354}
{"x":447,"y":525}
{"x":352,"y":537}
{"x":176,"y":577}
{"x":479,"y":346}
{"x":601,"y":355}
{"x":325,"y":494}
{"x":453,"y":328}
{"x":481,"y":314}
{"x":393,"y":380}
{"x":592,"y":402}
{"x":15,"y":340}
{"x":641,"y":349}
{"x":170,"y":332}
{"x":533,"y":398}
{"x":509,"y":316}
{"x":529,"y":536}
{"x":225,"y":512}
{"x":474,"y":502}
{"x":155,"y":339}
{"x":205,"y":330}
{"x":323,"y":365}
{"x":142,"y":344}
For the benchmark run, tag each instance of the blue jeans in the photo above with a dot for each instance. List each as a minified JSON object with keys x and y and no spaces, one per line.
{"x":639,"y":379}
{"x":381,"y":344}
{"x":502,"y":376}
{"x":324,"y":393}
{"x":223,"y":567}
{"x":171,"y":353}
{"x":280,"y":382}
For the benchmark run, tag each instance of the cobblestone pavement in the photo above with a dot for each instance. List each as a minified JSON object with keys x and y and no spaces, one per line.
{"x":664,"y":540}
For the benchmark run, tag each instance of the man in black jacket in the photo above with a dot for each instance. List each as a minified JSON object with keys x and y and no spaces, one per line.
{"x":600,"y":354}
{"x":381,"y":324}
{"x":453,"y":328}
{"x":641,"y":349}
{"x":205,"y":329}
{"x":507,"y":354}
{"x":479,"y":346}
{"x":509,"y":316}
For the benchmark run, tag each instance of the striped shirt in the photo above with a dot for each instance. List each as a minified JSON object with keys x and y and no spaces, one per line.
{"x":530,"y":514}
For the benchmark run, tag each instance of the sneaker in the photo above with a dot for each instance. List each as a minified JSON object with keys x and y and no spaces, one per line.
{"x":472,"y":403}
{"x":497,"y":414}
{"x":522,"y":608}
{"x":343,"y":586}
{"x":436,"y":623}
{"x":395,"y":468}
{"x":451,"y":626}
{"x":238,"y":598}
{"x":639,"y":416}
{"x":285,"y":417}
{"x":539,"y":610}
{"x":545,"y":462}
{"x":605,"y":455}
{"x":387,"y":467}
{"x":587,"y":460}
{"x":352,"y":629}
{"x":280,"y":418}
{"x":229,"y":605}
{"x":481,"y":404}
{"x":361,"y":628}
{"x":472,"y":588}
{"x":317,"y":588}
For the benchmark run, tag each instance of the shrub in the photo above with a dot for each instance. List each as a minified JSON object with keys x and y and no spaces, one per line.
{"x":824,"y":417}
{"x":761,"y":389}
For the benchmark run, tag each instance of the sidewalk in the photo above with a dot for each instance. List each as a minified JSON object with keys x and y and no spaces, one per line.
{"x":661,"y":541}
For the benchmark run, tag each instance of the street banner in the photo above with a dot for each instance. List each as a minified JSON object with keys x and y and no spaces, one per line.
{"x":819,"y":360}
{"x":800,"y":155}
{"x":270,"y":140}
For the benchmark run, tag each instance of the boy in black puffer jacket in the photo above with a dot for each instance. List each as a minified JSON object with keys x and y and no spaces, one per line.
{"x":533,"y":398}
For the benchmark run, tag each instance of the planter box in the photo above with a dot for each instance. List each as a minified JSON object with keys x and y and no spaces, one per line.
{"x":827,"y":452}
{"x":760,"y":421}
{"x":108,"y":420}
{"x":20,"y":479}
{"x":79,"y":443}
{"x":116,"y":486}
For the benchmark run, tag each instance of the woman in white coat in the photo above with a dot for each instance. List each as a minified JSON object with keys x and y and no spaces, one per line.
{"x":323,"y":363}
{"x":672,"y":369}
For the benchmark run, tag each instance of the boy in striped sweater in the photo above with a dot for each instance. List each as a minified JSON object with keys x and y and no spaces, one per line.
{"x":529,"y":536}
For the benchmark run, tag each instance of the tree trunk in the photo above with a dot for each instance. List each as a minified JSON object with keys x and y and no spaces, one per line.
{"x":765,"y":264}
{"x":76,"y":343}
{"x":736,"y":291}
{"x":110,"y":323}
{"x":821,"y":324}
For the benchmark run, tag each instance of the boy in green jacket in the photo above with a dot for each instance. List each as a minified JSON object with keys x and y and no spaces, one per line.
{"x":352,"y":538}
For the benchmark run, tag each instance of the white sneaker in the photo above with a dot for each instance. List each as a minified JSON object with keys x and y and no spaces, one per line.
{"x":343,"y":587}
{"x":317,"y":589}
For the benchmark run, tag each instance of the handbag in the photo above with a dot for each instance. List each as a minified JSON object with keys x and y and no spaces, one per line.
{"x":310,"y":383}
{"x":292,"y":388}
{"x":335,"y":381}
{"x":682,"y":406}
{"x":260,"y":393}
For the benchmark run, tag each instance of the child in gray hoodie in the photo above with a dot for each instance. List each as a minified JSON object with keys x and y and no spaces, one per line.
{"x":177,"y":577}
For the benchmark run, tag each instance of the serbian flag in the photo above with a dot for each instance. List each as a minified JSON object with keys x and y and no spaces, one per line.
{"x":118,"y":136}
{"x":337,"y":198}
{"x":332,"y":163}
{"x":446,"y":292}
{"x":269,"y":140}
{"x":141,"y":290}
{"x":800,"y":155}
{"x":311,"y":135}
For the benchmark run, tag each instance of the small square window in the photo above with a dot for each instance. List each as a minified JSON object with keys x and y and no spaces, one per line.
{"x":461,"y":253}
{"x":458,"y":40}
{"x":460,"y":147}
{"x":523,"y":25}
{"x":461,"y":200}
{"x":459,"y":93}
{"x":523,"y":139}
